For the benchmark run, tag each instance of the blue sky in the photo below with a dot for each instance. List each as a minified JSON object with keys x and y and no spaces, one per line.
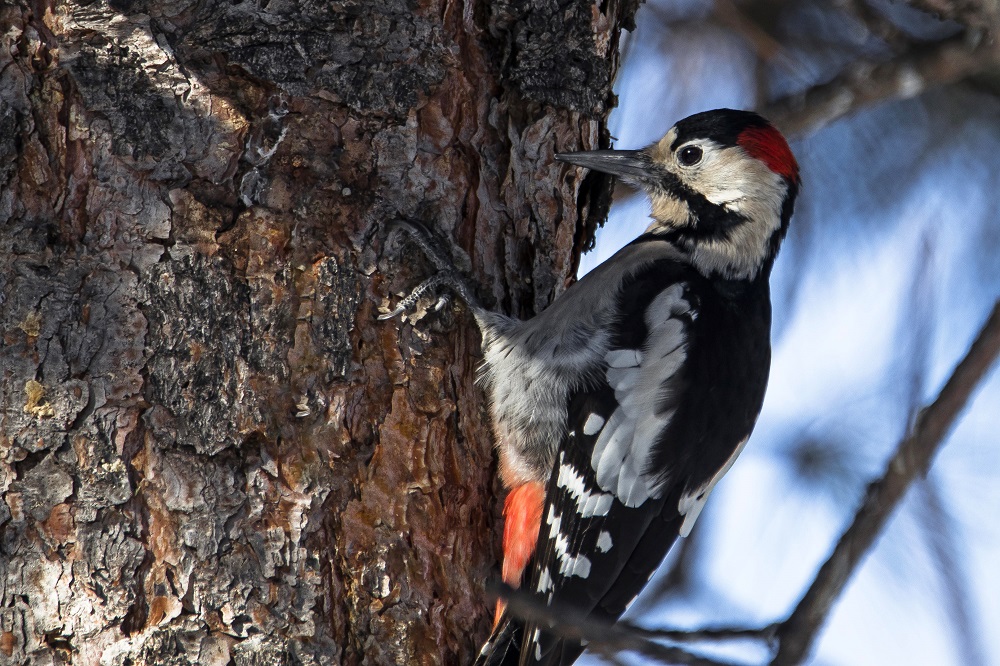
{"x":890,"y":268}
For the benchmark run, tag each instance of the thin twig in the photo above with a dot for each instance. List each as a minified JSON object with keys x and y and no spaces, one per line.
{"x":912,"y":457}
{"x":865,"y":83}
{"x":765,"y":634}
{"x":600,"y":636}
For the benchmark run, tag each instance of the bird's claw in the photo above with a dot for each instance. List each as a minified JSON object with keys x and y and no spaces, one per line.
{"x":447,"y":275}
{"x":398,"y":310}
{"x":442,"y":302}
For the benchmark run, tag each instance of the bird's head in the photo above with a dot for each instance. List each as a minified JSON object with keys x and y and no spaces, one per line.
{"x":722,"y":185}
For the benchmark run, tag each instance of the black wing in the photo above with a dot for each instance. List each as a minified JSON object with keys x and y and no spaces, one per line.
{"x":610,"y":517}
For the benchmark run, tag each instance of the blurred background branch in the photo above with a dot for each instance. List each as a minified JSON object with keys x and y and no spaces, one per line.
{"x":984,"y":14}
{"x":912,"y":458}
{"x":865,"y":82}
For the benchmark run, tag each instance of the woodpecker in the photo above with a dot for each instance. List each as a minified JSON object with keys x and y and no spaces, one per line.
{"x":618,"y":409}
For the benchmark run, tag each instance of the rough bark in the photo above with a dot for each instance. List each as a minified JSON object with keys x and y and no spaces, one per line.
{"x":210,"y":450}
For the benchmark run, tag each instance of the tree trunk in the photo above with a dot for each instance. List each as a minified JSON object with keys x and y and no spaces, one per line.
{"x":210,"y":450}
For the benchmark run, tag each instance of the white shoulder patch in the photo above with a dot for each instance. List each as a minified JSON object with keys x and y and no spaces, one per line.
{"x":625,"y":443}
{"x":668,"y":303}
{"x":623,"y":358}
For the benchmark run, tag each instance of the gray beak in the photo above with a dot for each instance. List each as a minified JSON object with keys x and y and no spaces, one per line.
{"x":634,"y":166}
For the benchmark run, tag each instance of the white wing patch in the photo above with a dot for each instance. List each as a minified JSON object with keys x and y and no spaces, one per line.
{"x":693,"y":501}
{"x":545,"y":583}
{"x":604,"y":542}
{"x":624,"y":445}
{"x":569,"y":565}
{"x":588,"y":504}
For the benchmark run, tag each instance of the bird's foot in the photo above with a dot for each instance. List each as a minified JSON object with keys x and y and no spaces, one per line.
{"x":447,"y":276}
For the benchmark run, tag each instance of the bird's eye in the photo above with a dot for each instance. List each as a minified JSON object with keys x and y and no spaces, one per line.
{"x":689,"y":155}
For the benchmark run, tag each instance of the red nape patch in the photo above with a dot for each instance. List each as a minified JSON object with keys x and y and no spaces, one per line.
{"x":767,"y":145}
{"x":522,"y":512}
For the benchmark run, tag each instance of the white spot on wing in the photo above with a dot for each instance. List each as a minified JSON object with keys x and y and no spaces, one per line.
{"x":604,"y":542}
{"x":575,"y":565}
{"x":693,"y":501}
{"x":588,"y":504}
{"x":544,"y":581}
{"x":593,"y":424}
{"x":596,"y":504}
{"x":569,"y":565}
{"x":633,"y":488}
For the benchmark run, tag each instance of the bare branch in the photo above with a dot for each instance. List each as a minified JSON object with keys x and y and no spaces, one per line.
{"x":874,"y":21}
{"x":865,"y":83}
{"x":912,"y":457}
{"x":766,"y":634}
{"x":612,"y":638}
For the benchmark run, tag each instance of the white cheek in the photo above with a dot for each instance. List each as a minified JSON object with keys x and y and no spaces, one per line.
{"x":725,"y":182}
{"x":733,"y":179}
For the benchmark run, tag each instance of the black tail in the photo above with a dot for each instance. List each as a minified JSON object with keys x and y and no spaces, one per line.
{"x":503,"y":647}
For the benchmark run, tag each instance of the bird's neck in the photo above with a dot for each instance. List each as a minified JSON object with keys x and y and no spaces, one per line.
{"x":727,"y":245}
